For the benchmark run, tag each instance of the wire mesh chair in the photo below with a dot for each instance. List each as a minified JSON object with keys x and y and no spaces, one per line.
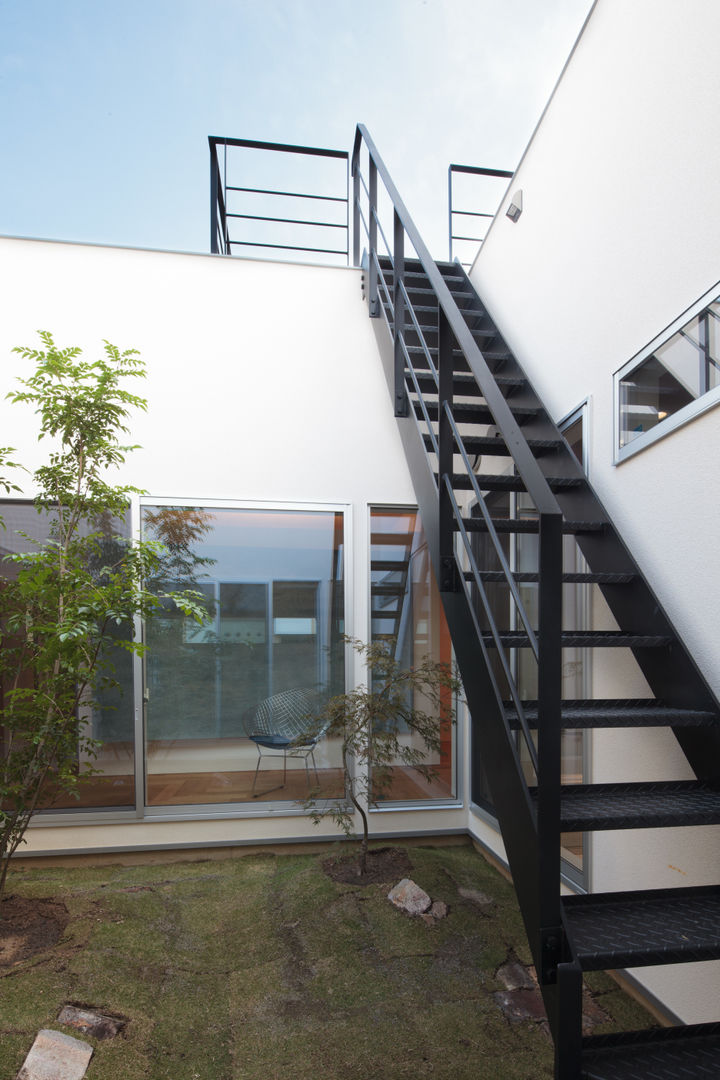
{"x":283,"y":725}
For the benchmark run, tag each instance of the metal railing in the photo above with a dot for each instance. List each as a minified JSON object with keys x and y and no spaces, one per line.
{"x":479,"y":217}
{"x":293,"y":232}
{"x":534,"y":848}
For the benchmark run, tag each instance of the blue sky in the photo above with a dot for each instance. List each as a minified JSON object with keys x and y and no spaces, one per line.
{"x":106,"y":105}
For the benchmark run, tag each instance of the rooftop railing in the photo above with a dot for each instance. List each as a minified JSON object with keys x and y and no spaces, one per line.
{"x":486,"y":191}
{"x":250,"y":214}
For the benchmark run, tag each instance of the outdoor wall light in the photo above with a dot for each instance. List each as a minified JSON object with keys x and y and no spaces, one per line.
{"x":514,"y":210}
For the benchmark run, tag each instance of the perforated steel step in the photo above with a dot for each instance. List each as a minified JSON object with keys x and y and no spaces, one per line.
{"x":464,"y":383}
{"x":569,"y":579}
{"x":591,"y":807}
{"x":587,"y":639}
{"x":496,"y":482}
{"x":529,"y":525}
{"x":678,"y":1053}
{"x":636,"y":929}
{"x":491,"y":444}
{"x":619,"y":713}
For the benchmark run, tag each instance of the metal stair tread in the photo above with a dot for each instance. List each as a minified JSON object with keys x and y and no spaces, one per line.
{"x":569,"y":579}
{"x":472,"y":413}
{"x":528,"y":525}
{"x":638,"y":929}
{"x":588,"y":639}
{"x":675,"y":1053}
{"x":463,"y":381}
{"x":619,"y":712}
{"x":659,"y":804}
{"x":493,"y":444}
{"x":500,"y":482}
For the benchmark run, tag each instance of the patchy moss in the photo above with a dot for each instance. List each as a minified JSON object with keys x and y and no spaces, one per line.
{"x":262,"y":967}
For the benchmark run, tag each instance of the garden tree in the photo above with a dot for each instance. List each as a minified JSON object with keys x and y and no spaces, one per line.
{"x":371,"y":723}
{"x":67,"y":604}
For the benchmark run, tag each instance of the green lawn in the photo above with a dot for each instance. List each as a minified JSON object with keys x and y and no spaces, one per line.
{"x":262,"y":968}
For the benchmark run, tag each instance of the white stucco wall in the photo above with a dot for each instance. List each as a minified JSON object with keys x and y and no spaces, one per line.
{"x":263,"y":383}
{"x":619,"y":235}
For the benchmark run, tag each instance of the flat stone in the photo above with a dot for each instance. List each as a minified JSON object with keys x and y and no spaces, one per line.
{"x":55,"y":1056}
{"x":99,"y":1025}
{"x":515,"y":977}
{"x":439,"y":909}
{"x":476,"y":897}
{"x":409,"y":897}
{"x":521,"y":1004}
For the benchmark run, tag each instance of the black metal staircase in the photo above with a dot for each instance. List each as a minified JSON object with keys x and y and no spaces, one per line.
{"x":462,"y":400}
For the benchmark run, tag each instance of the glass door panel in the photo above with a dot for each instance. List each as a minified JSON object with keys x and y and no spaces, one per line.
{"x":270,"y":647}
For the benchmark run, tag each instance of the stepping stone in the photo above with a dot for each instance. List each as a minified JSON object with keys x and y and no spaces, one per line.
{"x":54,"y":1056}
{"x":409,"y":897}
{"x":521,"y":1004}
{"x":99,"y":1025}
{"x":515,"y":976}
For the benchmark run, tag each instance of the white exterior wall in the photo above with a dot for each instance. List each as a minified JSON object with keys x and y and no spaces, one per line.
{"x":264,"y":383}
{"x":619,"y":235}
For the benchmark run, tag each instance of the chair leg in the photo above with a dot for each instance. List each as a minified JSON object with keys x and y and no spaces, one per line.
{"x":252,"y":790}
{"x":317,"y":776}
{"x":284,"y":767}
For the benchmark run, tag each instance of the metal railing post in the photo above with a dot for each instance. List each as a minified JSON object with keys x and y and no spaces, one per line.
{"x":401,"y":399}
{"x":448,"y":574}
{"x":450,"y":212}
{"x":213,"y":200}
{"x":373,"y":304}
{"x":356,"y":212}
{"x":549,"y":741}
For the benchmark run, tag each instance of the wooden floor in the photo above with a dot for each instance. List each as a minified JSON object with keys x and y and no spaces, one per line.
{"x":192,"y":789}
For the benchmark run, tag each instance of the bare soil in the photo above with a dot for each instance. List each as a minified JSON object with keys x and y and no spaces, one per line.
{"x":28,"y":926}
{"x":387,"y":864}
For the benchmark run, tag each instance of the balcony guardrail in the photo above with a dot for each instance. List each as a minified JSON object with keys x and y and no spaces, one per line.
{"x":248,"y":209}
{"x":479,"y":217}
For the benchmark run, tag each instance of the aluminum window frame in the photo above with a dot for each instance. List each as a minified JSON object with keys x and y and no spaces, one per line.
{"x":702,"y":404}
{"x":142,"y":813}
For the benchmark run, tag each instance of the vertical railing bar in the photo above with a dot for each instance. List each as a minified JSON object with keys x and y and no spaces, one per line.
{"x":421,"y":402}
{"x":401,"y":398}
{"x":549,"y":738}
{"x":418,"y":329}
{"x":225,"y":233}
{"x":214,"y":178}
{"x":506,"y":569}
{"x":448,"y":567}
{"x":347,"y":210}
{"x":372,"y":216}
{"x":382,"y":236}
{"x":450,"y":211}
{"x":512,"y":686}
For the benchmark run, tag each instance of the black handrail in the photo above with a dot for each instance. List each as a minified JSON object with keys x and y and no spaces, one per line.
{"x":220,"y":240}
{"x":546,"y":643}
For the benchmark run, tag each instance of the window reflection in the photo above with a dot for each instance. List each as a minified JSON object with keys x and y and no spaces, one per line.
{"x":111,"y":720}
{"x":407,"y":613}
{"x":681,"y":370}
{"x":272,"y":582}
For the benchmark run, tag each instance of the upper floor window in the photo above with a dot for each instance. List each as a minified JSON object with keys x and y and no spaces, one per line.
{"x":673,"y":380}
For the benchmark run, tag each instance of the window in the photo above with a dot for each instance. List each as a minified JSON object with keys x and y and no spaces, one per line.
{"x":407,"y":613}
{"x":673,"y":380}
{"x":273,"y":588}
{"x":111,"y":721}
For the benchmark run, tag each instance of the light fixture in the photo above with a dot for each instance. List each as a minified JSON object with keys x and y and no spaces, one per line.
{"x":514,"y":210}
